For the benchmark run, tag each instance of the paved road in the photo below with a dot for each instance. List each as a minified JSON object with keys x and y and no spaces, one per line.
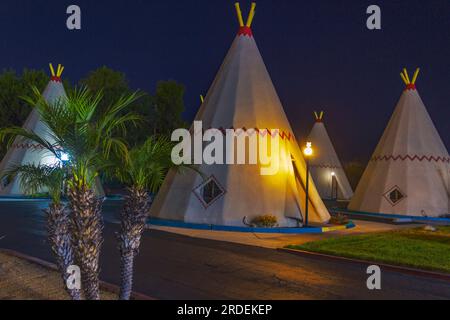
{"x":178,"y":267}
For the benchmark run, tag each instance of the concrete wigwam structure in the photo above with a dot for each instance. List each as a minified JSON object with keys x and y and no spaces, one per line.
{"x":242,"y":97}
{"x":326,"y":169}
{"x":409,"y":172}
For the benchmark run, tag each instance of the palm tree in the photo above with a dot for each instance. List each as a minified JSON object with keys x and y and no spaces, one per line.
{"x":75,"y":128}
{"x":142,"y":173}
{"x":35,"y":178}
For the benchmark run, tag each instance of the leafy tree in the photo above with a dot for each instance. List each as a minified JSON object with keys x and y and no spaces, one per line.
{"x":34,"y":178}
{"x":354,"y":171}
{"x":137,"y":135}
{"x":113,"y":84}
{"x":169,"y":106}
{"x":142,"y":173}
{"x":13,"y":109}
{"x":89,"y":139}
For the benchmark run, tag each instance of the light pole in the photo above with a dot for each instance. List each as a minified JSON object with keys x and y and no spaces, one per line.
{"x":308,"y":151}
{"x":333,"y":174}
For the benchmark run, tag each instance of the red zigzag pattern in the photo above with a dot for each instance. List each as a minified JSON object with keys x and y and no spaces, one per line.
{"x":273,"y":133}
{"x":325,"y":166}
{"x":34,"y":146}
{"x":27,"y":146}
{"x":411,"y":158}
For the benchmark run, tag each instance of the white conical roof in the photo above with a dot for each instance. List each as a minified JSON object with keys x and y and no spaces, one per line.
{"x":409,"y":172}
{"x":242,"y":96}
{"x":29,"y":152}
{"x":326,"y":169}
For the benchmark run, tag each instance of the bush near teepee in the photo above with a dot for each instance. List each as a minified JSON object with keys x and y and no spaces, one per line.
{"x":339,"y":219}
{"x":265,"y":221}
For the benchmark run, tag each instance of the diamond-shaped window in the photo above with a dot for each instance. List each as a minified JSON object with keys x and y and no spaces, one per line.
{"x":209,"y":191}
{"x":394,"y":195}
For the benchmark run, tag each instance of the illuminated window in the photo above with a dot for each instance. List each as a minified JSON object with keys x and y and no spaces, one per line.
{"x":394,"y":195}
{"x":209,"y":191}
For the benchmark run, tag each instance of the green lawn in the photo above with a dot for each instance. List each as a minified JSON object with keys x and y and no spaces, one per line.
{"x":412,"y":247}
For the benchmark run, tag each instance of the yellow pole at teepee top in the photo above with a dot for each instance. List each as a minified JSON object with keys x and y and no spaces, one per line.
{"x":51,"y":69}
{"x":202,"y":99}
{"x":60,"y":70}
{"x":251,"y":15}
{"x":416,"y":74}
{"x":406,"y":75}
{"x":403,"y":78}
{"x":239,"y":14}
{"x":319,"y":116}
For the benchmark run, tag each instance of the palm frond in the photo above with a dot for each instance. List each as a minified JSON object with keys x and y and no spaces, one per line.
{"x":147,"y":164}
{"x":21,"y":135}
{"x":35,"y":178}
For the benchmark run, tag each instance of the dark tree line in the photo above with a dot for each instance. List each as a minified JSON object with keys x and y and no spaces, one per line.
{"x":162,"y":110}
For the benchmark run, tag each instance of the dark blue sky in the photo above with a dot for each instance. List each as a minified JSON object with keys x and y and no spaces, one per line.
{"x":319,"y":53}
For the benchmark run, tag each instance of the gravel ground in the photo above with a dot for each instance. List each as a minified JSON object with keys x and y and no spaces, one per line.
{"x":24,"y":280}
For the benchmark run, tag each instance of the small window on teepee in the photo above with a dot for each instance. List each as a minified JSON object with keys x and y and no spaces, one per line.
{"x":209,"y":191}
{"x":394,"y":196}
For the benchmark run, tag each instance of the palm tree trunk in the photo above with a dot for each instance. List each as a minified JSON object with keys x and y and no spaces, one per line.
{"x":87,"y":239}
{"x":60,"y":241}
{"x":133,"y":219}
{"x":126,"y":274}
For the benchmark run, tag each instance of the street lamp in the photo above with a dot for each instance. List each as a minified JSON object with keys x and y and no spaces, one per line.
{"x":332,"y":174}
{"x":308,"y":152}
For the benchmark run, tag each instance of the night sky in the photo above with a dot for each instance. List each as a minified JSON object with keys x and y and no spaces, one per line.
{"x":319,"y":53}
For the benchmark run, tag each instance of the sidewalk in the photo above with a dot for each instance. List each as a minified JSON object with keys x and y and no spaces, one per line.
{"x":24,"y":280}
{"x":273,"y":241}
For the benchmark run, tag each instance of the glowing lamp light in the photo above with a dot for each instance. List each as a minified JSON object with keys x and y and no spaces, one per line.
{"x":308,"y":151}
{"x":64,"y":156}
{"x":333,"y":173}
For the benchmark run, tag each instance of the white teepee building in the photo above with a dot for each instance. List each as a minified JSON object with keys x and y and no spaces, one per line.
{"x":409,"y":172}
{"x":27,"y":152}
{"x":242,"y":97}
{"x":326,"y":169}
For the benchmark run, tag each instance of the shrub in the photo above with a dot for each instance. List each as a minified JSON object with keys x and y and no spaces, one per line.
{"x":339,"y":219}
{"x":265,"y":221}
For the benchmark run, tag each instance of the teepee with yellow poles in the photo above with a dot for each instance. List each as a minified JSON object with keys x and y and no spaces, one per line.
{"x":27,"y":152}
{"x":409,"y":172}
{"x":326,"y":169}
{"x":242,"y":97}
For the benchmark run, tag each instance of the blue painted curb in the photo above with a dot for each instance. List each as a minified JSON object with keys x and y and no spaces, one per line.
{"x":27,"y":198}
{"x":196,"y":226}
{"x":396,"y":216}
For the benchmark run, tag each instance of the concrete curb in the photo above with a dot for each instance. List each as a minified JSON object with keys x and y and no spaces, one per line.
{"x":277,"y":230}
{"x":400,"y":269}
{"x":394,"y":217}
{"x":103,"y":285}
